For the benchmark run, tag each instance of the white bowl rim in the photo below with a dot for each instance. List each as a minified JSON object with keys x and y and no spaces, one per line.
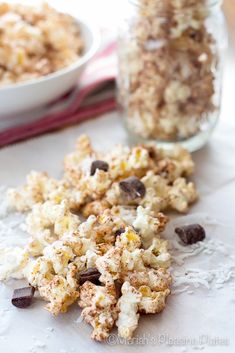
{"x":83,"y":59}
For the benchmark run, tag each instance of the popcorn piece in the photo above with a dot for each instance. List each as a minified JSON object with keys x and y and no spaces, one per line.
{"x":126,"y":213}
{"x":160,"y":195}
{"x":77,"y":164}
{"x":180,"y":160}
{"x":78,"y":244}
{"x":39,"y":272}
{"x":83,"y":150}
{"x":132,"y":261}
{"x":181,"y":195}
{"x":176,"y":91}
{"x":98,"y":184}
{"x":109,"y":265}
{"x":128,"y":316}
{"x":91,"y":184}
{"x":60,"y":255}
{"x":156,"y":192}
{"x":115,"y":197}
{"x":95,"y":208}
{"x":48,"y":222}
{"x":40,"y":188}
{"x":152,"y":302}
{"x":156,"y":280}
{"x":101,"y":229}
{"x":61,"y":292}
{"x":24,"y":198}
{"x":86,"y":229}
{"x":157,"y":256}
{"x":125,"y":162}
{"x":99,"y":308}
{"x":91,"y":258}
{"x":148,"y":225}
{"x":58,"y":191}
{"x":71,"y":249}
{"x":129,"y":239}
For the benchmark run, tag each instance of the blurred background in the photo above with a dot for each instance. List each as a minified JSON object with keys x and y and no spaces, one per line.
{"x":106,"y":14}
{"x":229,"y":9}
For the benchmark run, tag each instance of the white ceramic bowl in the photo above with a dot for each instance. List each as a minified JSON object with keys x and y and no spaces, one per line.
{"x":30,"y":95}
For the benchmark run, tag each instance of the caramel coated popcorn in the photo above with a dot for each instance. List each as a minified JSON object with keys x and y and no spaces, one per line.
{"x":167,"y":70}
{"x":36,"y":41}
{"x":119,"y":243}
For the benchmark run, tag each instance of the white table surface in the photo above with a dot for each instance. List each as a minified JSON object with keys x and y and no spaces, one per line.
{"x":209,"y":312}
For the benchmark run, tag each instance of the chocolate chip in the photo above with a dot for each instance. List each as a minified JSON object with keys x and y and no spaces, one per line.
{"x":118,"y":287}
{"x":152,"y":153}
{"x":99,"y":165}
{"x":22,"y":297}
{"x":91,"y":274}
{"x":119,"y":232}
{"x":191,"y":234}
{"x":195,"y":35}
{"x":133,"y":187}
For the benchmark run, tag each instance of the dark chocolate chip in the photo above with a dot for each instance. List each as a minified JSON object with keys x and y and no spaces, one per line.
{"x":195,"y":35}
{"x":118,"y":287}
{"x":22,"y":297}
{"x":152,"y":153}
{"x":191,"y":234}
{"x":119,"y":232}
{"x":133,"y":187}
{"x":99,"y":165}
{"x":91,"y":274}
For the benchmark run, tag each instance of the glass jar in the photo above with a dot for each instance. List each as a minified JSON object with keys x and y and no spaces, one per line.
{"x":170,"y":70}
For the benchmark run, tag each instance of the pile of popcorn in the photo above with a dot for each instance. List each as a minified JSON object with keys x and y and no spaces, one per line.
{"x":95,"y":235}
{"x":36,"y":41}
{"x":168,"y":63}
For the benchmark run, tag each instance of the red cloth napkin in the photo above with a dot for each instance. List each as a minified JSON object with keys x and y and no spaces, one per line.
{"x":94,"y":95}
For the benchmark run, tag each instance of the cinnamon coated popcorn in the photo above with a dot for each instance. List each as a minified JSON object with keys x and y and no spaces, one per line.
{"x":118,"y":244}
{"x":36,"y":41}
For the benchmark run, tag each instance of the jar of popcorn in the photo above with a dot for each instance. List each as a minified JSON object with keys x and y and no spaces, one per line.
{"x":170,"y":70}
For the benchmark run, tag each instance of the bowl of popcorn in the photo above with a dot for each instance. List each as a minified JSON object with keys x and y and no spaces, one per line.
{"x":42,"y":55}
